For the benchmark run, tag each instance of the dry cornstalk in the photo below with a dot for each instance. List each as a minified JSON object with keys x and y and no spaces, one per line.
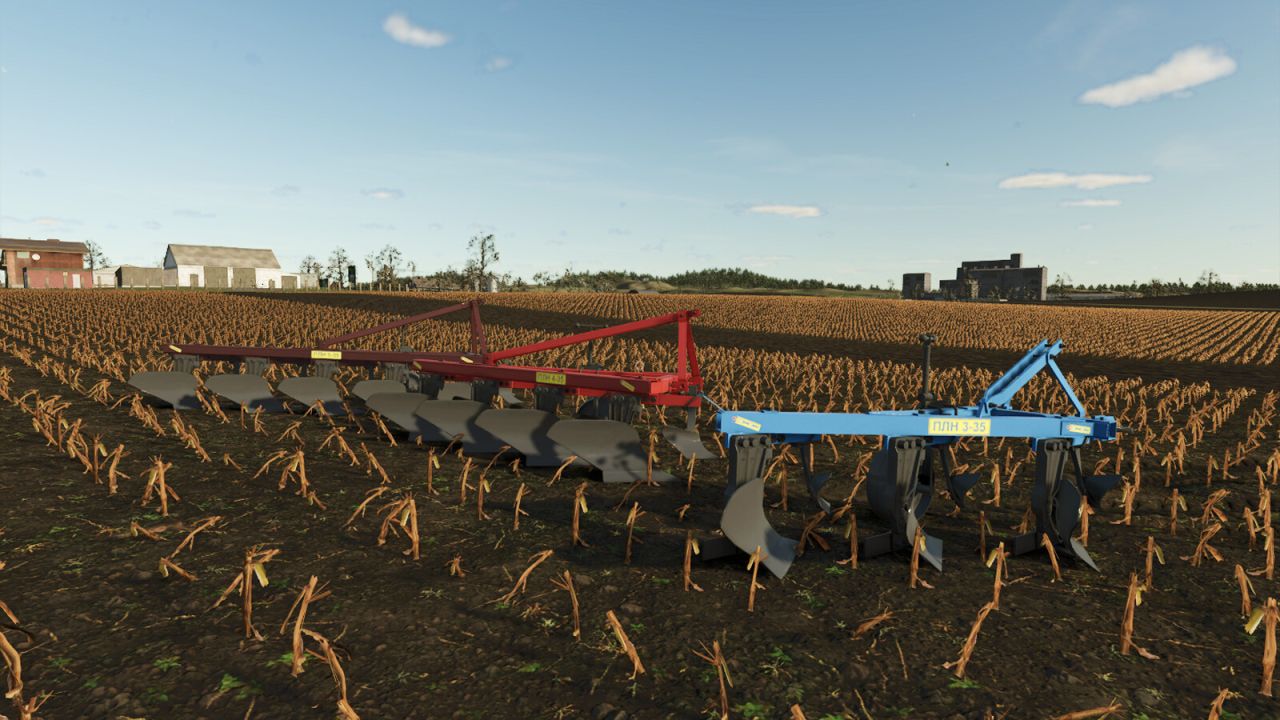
{"x":1246,"y":589}
{"x":302,"y":603}
{"x":970,"y":643}
{"x":255,"y":561}
{"x":567,"y":586}
{"x":579,"y":507}
{"x":637,"y":668}
{"x":1126,"y":626}
{"x":157,"y":485}
{"x":523,"y":580}
{"x":870,"y":624}
{"x":1175,"y":502}
{"x":852,"y":560}
{"x":1266,"y":616}
{"x":520,"y":493}
{"x":753,"y":564}
{"x":368,"y":498}
{"x":1047,"y":544}
{"x":433,"y":462}
{"x":1204,"y":548}
{"x":1215,"y":710}
{"x":560,"y":470}
{"x":688,"y":487}
{"x":113,"y":470}
{"x":1098,"y":712}
{"x":339,"y":677}
{"x":463,"y":485}
{"x":634,"y":515}
{"x":810,"y":533}
{"x":715,"y":657}
{"x":482,"y":486}
{"x":998,"y":558}
{"x":1154,"y":552}
{"x":690,"y":549}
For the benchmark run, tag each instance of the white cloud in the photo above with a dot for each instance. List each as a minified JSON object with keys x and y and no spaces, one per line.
{"x":384,"y":193}
{"x":401,"y":30}
{"x":791,"y":211}
{"x":47,"y":221}
{"x":1186,"y":69}
{"x":1091,"y":202}
{"x":1086,"y":227}
{"x":286,"y":190}
{"x":1087,"y":181}
{"x":497,"y":63}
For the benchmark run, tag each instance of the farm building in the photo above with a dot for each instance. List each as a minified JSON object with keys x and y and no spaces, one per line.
{"x":43,"y":264}
{"x":983,"y":280}
{"x":214,"y":267}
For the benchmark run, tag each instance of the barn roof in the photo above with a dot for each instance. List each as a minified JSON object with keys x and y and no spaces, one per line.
{"x":216,"y":256}
{"x":50,"y":245}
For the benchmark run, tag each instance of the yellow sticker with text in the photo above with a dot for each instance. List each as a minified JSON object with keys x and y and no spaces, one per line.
{"x":748,"y":424}
{"x":549,"y":378}
{"x":963,"y":427}
{"x":175,"y":348}
{"x":1080,"y":429}
{"x":326,"y":354}
{"x":628,"y":385}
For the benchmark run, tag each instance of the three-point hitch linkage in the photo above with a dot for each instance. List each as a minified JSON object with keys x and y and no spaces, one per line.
{"x":901,"y":475}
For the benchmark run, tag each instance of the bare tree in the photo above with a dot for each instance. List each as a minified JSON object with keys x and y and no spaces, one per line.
{"x":387,"y":265}
{"x":310,"y":265}
{"x":484,"y":255}
{"x":95,"y":256}
{"x":336,"y":268}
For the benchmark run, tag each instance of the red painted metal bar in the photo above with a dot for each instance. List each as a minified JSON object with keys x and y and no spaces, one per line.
{"x":478,"y":344}
{"x":625,"y":328}
{"x":603,"y":380}
{"x":303,"y":356}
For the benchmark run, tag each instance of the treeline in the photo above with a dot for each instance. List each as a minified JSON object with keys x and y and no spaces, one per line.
{"x":710,"y":279}
{"x":1208,"y":282}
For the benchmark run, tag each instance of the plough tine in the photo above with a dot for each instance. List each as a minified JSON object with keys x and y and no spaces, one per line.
{"x":1095,"y":487}
{"x":310,"y":390}
{"x":814,"y":482}
{"x":746,"y":526}
{"x":899,"y":490}
{"x":250,"y":391}
{"x":509,"y":399}
{"x":1056,"y":503}
{"x":176,"y":389}
{"x":931,"y":547}
{"x":960,"y":484}
{"x":399,"y":409}
{"x":687,"y":440}
{"x":456,"y":419}
{"x":612,"y":447}
{"x":368,"y":388}
{"x":526,"y":431}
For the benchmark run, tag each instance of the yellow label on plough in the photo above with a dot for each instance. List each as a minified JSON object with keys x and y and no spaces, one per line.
{"x":628,"y":385}
{"x":748,"y":424}
{"x":1079,"y":429}
{"x":326,"y":354}
{"x":549,"y":378}
{"x":962,"y":427}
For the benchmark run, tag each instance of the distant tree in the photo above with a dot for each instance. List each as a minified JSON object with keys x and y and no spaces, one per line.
{"x":484,"y":255}
{"x":310,"y":265}
{"x":336,"y":268}
{"x":95,"y":256}
{"x":385,"y":266}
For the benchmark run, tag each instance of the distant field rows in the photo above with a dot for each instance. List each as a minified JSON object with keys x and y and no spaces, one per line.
{"x":1215,"y":336}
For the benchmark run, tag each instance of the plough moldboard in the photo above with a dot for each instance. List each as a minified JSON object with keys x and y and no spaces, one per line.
{"x":467,"y":399}
{"x":901,"y":475}
{"x":464,"y":398}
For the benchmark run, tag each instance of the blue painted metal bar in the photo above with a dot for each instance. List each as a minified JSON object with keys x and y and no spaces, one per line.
{"x":991,"y":417}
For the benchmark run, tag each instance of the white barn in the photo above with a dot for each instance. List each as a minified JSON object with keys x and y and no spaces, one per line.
{"x":214,"y":267}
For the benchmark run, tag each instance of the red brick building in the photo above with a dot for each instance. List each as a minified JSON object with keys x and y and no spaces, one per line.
{"x":43,"y":264}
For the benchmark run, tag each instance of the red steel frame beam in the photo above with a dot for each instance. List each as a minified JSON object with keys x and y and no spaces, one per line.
{"x":660,"y":388}
{"x":679,"y":388}
{"x":478,"y":343}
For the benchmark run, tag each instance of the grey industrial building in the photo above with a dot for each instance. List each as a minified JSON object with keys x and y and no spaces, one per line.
{"x":982,"y":280}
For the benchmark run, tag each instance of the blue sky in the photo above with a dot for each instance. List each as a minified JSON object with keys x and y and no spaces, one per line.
{"x":847,"y":141}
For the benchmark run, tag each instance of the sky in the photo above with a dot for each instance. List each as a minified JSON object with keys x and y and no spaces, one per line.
{"x":848,"y":141}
